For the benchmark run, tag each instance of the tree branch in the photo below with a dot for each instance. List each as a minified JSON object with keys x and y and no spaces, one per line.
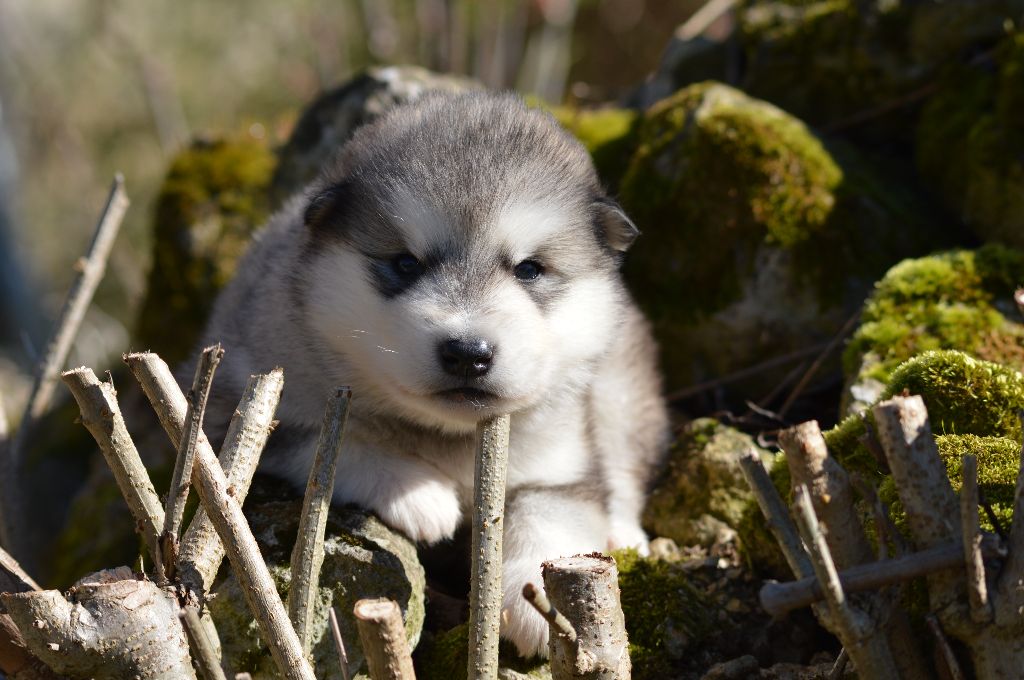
{"x":226,"y":514}
{"x":776,"y":515}
{"x":202,"y":650}
{"x":385,"y":645}
{"x":90,"y":272}
{"x":308,"y":552}
{"x":488,"y":524}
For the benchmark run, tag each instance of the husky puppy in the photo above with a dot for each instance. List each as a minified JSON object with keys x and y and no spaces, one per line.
{"x":459,"y":260}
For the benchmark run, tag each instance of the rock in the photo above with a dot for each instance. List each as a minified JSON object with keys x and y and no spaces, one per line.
{"x":329,"y":121}
{"x":702,"y":493}
{"x":738,"y":669}
{"x":757,"y":239}
{"x":970,"y":143}
{"x":955,"y":300}
{"x":213,"y":198}
{"x":363,"y":559}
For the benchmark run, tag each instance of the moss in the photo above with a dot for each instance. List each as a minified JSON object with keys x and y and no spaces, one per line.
{"x":609,"y":134}
{"x":213,"y":197}
{"x":998,"y":465}
{"x":952,"y":300}
{"x":666,"y":617}
{"x":970,"y":142}
{"x":702,"y":479}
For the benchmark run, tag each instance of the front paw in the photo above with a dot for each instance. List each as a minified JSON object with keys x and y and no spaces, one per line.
{"x":520,"y":623}
{"x":429,"y":512}
{"x":628,"y":535}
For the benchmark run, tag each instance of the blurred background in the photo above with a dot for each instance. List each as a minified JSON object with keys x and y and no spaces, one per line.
{"x":91,"y":88}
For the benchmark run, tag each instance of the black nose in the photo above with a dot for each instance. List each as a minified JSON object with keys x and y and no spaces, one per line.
{"x":466,"y":358}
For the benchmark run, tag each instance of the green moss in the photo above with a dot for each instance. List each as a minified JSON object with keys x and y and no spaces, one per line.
{"x":950,"y":300}
{"x":666,"y":617}
{"x":970,"y":142}
{"x":213,"y":197}
{"x":998,"y":465}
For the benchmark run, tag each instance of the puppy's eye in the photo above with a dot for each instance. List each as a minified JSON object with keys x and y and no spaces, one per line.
{"x":406,"y":265}
{"x":528,"y":270}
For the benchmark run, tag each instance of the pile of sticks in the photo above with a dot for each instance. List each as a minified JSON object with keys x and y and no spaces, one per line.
{"x":975,"y":580}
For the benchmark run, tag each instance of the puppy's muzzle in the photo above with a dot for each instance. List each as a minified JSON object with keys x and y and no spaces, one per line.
{"x":466,"y":358}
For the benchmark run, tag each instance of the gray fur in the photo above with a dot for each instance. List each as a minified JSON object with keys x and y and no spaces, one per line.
{"x":470,"y":185}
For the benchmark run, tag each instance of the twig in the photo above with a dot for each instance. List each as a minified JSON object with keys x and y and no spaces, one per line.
{"x":308,"y":552}
{"x":102,"y":416}
{"x":384,"y":642}
{"x":884,"y":527}
{"x":990,"y":513}
{"x":1009,"y":598}
{"x":488,"y":524}
{"x":90,"y":272}
{"x":226,"y":514}
{"x":339,"y":643}
{"x":202,"y":650}
{"x":977,"y":590}
{"x":201,"y":549}
{"x":948,"y":655}
{"x":585,"y":589}
{"x":15,"y":659}
{"x":775,"y":514}
{"x":817,"y":363}
{"x":14,"y":579}
{"x":700,"y":20}
{"x":780,"y":598}
{"x":555,"y":618}
{"x":839,"y":667}
{"x":768,"y":365}
{"x":174,"y":512}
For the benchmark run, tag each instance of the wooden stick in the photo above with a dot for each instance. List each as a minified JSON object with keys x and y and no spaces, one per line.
{"x":385,"y":645}
{"x":202,"y":650}
{"x":702,"y":19}
{"x":585,"y":589}
{"x":226,"y":514}
{"x":776,"y":515}
{"x":746,"y":372}
{"x":201,"y":549}
{"x":1009,"y":598}
{"x":780,"y":598}
{"x":948,"y":655}
{"x":14,"y":579}
{"x":90,"y":272}
{"x":817,"y":364}
{"x":15,"y":658}
{"x":488,"y":523}
{"x":174,"y":512}
{"x":308,"y":552}
{"x":559,"y":624}
{"x":339,"y":644}
{"x":977,"y":590}
{"x":101,"y":415}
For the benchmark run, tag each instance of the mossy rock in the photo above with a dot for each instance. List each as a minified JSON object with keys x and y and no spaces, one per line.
{"x":327,"y":123}
{"x":362,"y":559}
{"x":970,"y":143}
{"x":998,"y":465}
{"x":830,"y":60}
{"x":212,"y":200}
{"x":608,"y":133}
{"x":954,"y":300}
{"x":757,"y":239}
{"x":702,"y":479}
{"x":667,"y":618}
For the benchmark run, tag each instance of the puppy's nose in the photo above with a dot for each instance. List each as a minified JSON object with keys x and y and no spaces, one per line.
{"x":466,"y":358}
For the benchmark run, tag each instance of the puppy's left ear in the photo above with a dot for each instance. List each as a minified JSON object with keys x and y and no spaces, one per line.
{"x":618,"y":230}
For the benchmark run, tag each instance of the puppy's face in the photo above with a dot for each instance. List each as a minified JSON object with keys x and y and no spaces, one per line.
{"x":464,"y":260}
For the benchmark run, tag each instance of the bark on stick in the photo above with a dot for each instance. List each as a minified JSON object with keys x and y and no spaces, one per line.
{"x":90,"y":270}
{"x":488,"y":523}
{"x":202,"y":649}
{"x":774,"y":510}
{"x":339,"y":643}
{"x":382,"y":635}
{"x":113,"y":627}
{"x":559,"y":624}
{"x":977,"y":590}
{"x":181,"y":477}
{"x":15,"y":659}
{"x":225,"y":512}
{"x":201,"y":550}
{"x":308,"y":553}
{"x":585,"y":589}
{"x":101,"y":415}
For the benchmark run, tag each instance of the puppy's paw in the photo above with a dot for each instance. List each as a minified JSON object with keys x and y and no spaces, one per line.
{"x":628,"y":535}
{"x":520,"y":623}
{"x":427,"y":512}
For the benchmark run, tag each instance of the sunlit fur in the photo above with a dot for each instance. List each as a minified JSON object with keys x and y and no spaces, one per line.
{"x":471,"y":186}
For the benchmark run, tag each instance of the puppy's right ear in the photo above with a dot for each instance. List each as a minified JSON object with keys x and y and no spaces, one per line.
{"x":323,"y":212}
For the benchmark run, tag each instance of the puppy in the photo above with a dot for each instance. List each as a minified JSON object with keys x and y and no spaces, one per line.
{"x":458,"y":260}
